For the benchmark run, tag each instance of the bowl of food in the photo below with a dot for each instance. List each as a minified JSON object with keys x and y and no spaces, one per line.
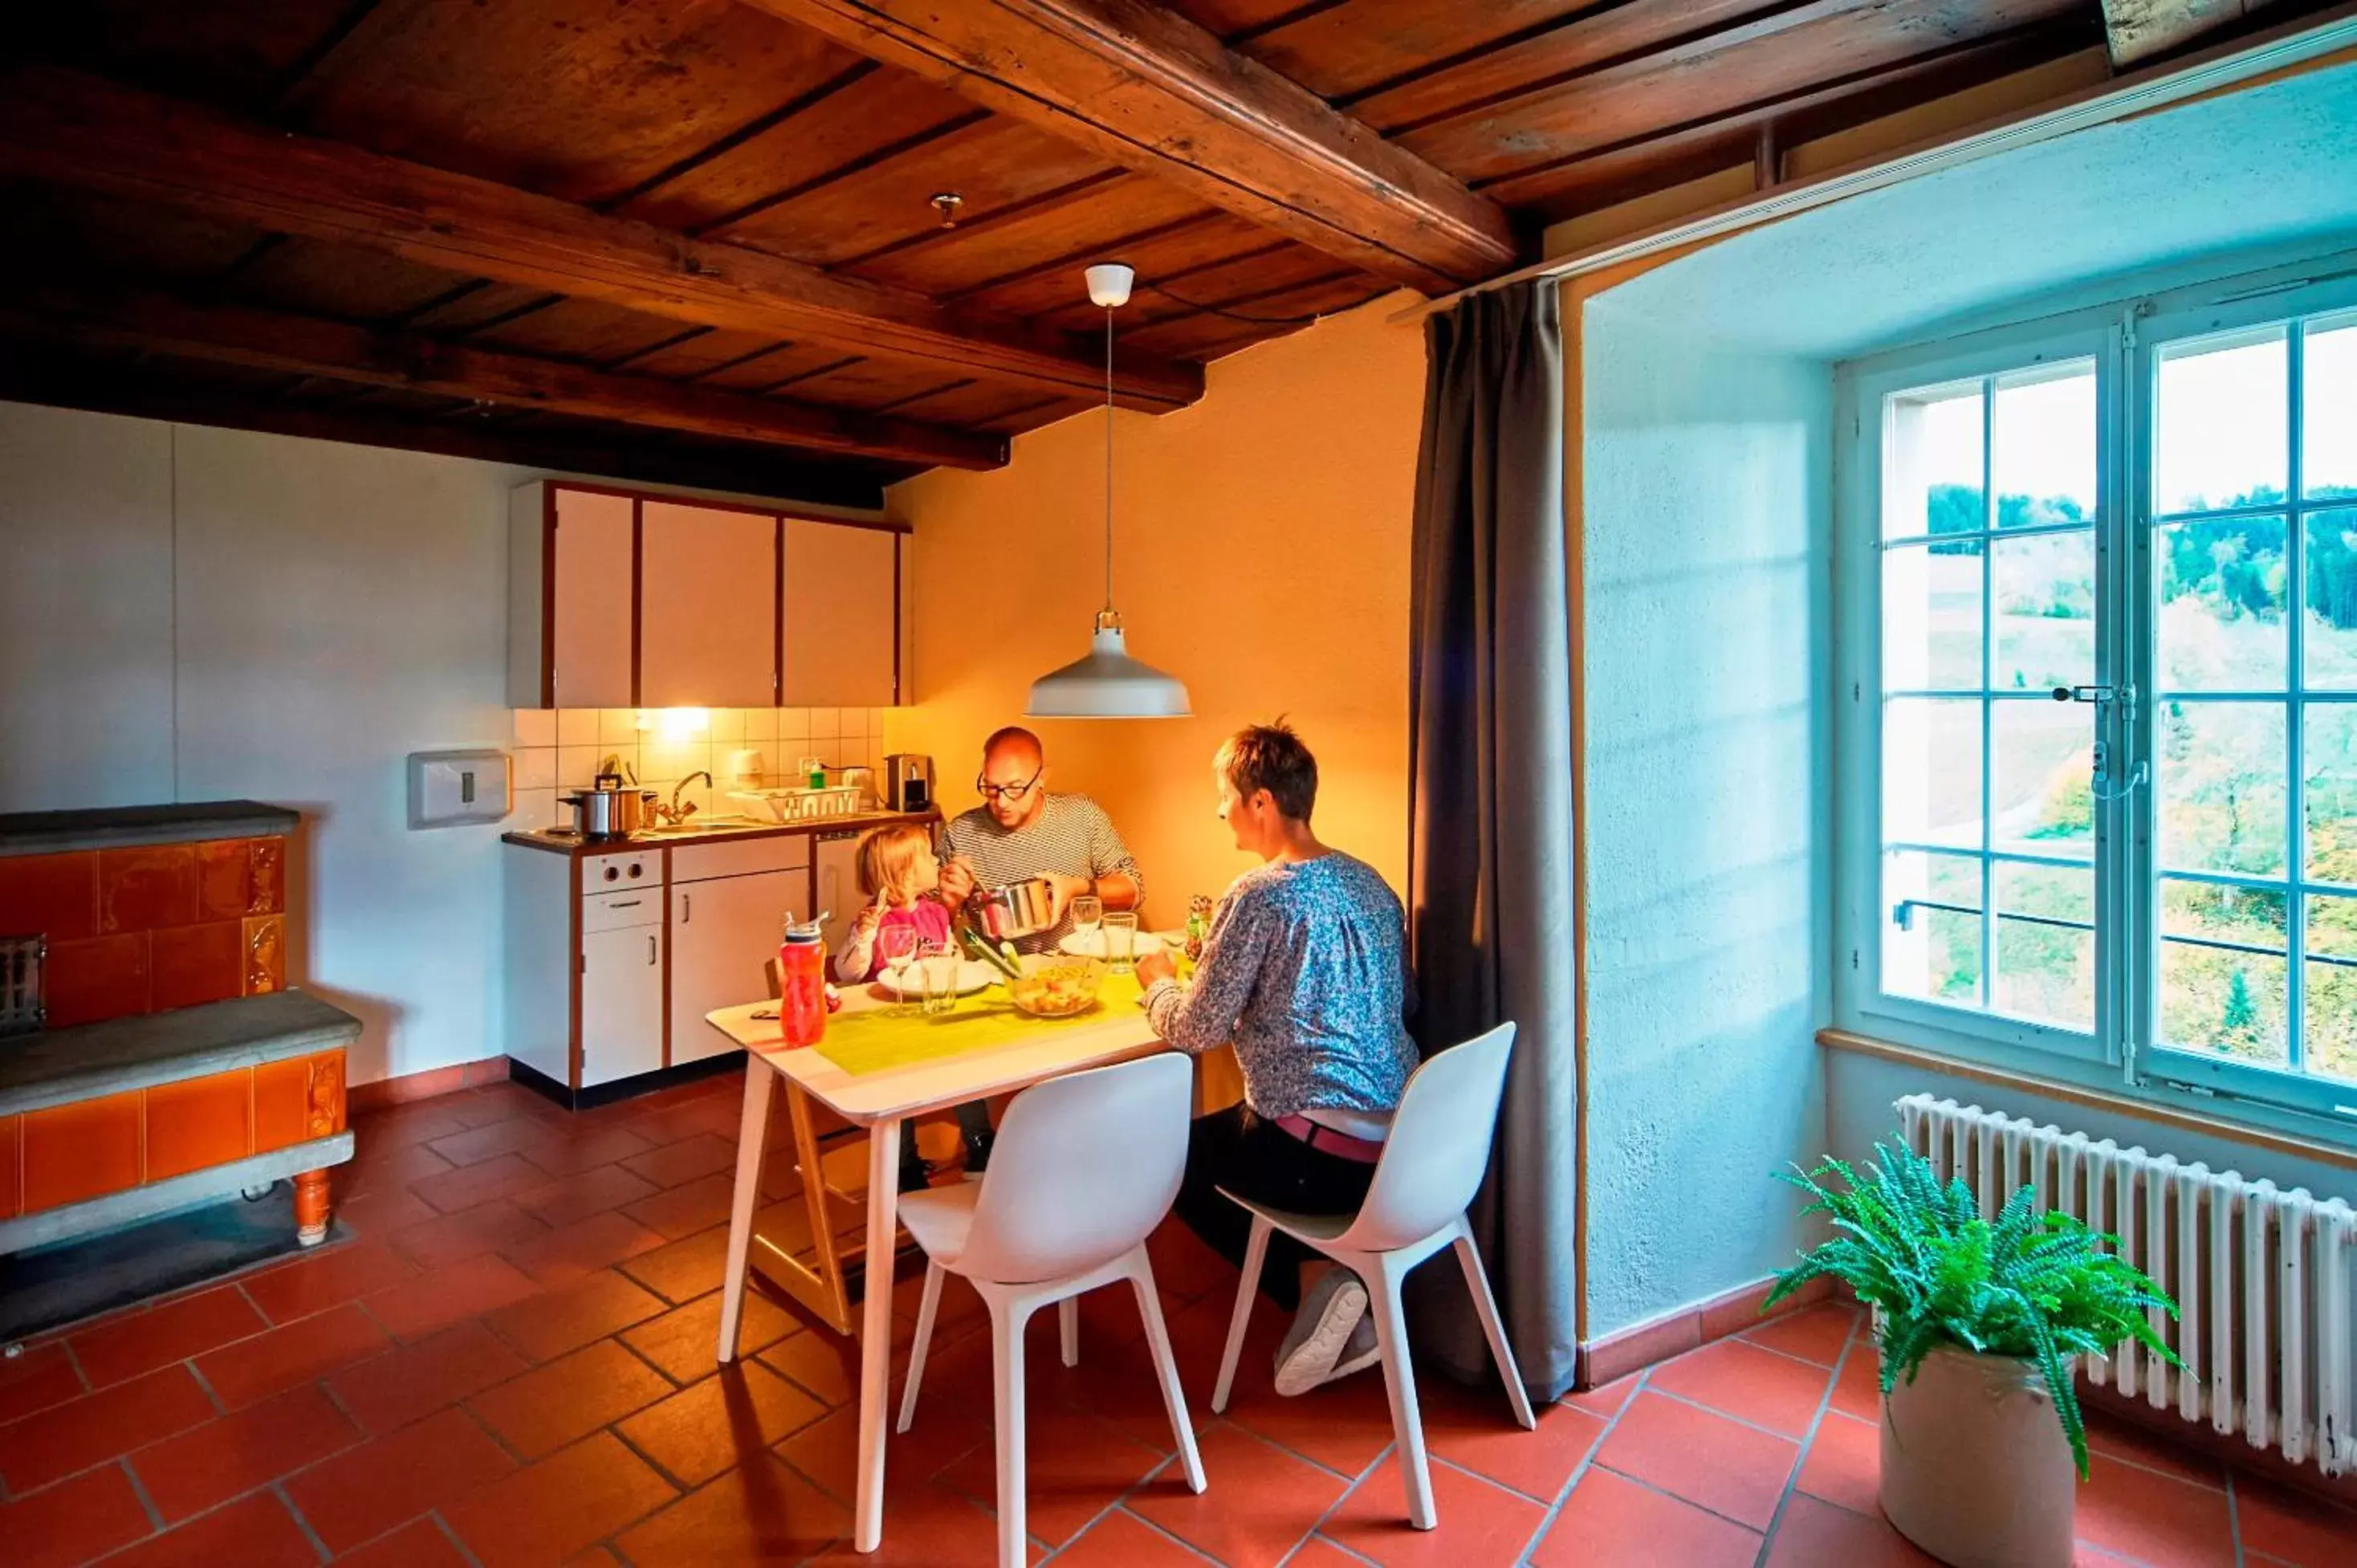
{"x":1053,"y":985}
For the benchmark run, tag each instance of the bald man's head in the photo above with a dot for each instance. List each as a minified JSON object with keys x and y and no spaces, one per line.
{"x":1014,"y":744}
{"x":1014,"y":774}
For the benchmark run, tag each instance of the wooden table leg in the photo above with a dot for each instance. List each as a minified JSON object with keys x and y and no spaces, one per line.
{"x":876,"y":1328}
{"x":760,"y":1079}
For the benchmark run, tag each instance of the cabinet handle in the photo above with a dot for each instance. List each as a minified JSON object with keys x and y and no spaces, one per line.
{"x":625,"y":903}
{"x":686,"y":908}
{"x":650,"y":950}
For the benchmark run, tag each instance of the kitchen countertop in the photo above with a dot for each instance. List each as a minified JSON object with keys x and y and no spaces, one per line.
{"x":567,"y":843}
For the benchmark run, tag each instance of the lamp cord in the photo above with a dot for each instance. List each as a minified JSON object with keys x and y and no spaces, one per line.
{"x":1108,"y":542}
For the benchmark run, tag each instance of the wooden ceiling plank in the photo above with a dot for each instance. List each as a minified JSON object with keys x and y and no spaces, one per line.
{"x":1158,"y":257}
{"x":1059,"y":239}
{"x":274,"y":342}
{"x":1207,"y":337}
{"x":68,"y":128}
{"x":1151,"y":90}
{"x":1349,"y":50}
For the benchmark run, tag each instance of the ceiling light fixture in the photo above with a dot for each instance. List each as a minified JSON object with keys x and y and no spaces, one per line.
{"x":1108,"y":683}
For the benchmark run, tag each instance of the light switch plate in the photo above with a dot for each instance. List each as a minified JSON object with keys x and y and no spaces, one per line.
{"x":451,"y":789}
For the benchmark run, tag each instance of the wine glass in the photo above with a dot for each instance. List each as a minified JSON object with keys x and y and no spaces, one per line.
{"x":1088,"y":914}
{"x":897,"y":944}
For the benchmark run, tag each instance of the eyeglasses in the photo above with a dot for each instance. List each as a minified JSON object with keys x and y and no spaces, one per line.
{"x":990,"y":791}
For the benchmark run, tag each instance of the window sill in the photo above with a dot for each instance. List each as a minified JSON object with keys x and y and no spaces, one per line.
{"x":2338,"y":1155}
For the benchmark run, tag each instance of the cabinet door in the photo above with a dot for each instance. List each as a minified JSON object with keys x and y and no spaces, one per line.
{"x":842,"y":630}
{"x":707,"y":607}
{"x":589,"y":600}
{"x":621,"y":1003}
{"x":722,"y":934}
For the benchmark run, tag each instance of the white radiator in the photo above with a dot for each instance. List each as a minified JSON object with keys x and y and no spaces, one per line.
{"x":2265,"y":1281}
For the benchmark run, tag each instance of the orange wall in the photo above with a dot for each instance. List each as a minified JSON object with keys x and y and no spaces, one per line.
{"x":1261,"y":555}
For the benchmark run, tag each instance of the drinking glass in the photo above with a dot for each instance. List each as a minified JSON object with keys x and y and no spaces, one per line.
{"x":937,"y":962}
{"x":1121,"y":940}
{"x":1086,"y":914}
{"x":897,"y":944}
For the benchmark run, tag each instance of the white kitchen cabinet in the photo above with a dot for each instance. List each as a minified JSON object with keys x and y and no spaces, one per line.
{"x":621,"y":991}
{"x":723,"y":934}
{"x":570,"y":587}
{"x":707,"y":607}
{"x":843,"y":616}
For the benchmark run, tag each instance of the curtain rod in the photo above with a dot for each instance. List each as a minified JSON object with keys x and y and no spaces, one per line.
{"x":2123,"y":98}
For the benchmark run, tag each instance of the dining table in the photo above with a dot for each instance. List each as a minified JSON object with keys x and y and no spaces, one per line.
{"x":881,"y":1063}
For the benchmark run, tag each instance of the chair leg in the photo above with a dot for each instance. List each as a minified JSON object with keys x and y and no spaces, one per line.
{"x":1495,"y":1328}
{"x":1165,"y":1366}
{"x":1399,"y":1381}
{"x":1006,"y":1366}
{"x":1068,"y":1328}
{"x":1255,"y":1254}
{"x":926,"y":1306}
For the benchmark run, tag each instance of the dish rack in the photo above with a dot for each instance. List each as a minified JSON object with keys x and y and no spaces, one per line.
{"x":805,"y":805}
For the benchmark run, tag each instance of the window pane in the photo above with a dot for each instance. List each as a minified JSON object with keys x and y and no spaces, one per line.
{"x":2042,"y":441}
{"x":1931,"y":931}
{"x":1932,"y":463}
{"x":2046,"y":943}
{"x":2329,"y":409}
{"x":2045,"y":611}
{"x":1931,"y":770}
{"x":2222,"y":604}
{"x":2328,"y":798}
{"x":2331,"y":596}
{"x":2223,"y":992}
{"x":2328,"y":1006}
{"x":2218,"y":784}
{"x":2042,"y":751}
{"x":1932,"y":617}
{"x":2221,"y":434}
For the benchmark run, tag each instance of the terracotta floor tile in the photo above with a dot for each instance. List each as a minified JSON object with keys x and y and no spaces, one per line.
{"x":587,"y":1149}
{"x":1844,"y":1465}
{"x":1740,"y":1379}
{"x":1079,"y":1466}
{"x":1813,"y":1334}
{"x":1479,"y":1524}
{"x":496,"y":1103}
{"x":371,"y":1170}
{"x":546,"y":1327}
{"x":1121,"y":1540}
{"x":468,"y":1185}
{"x":719,"y":1422}
{"x":1813,"y":1535}
{"x":52,"y":1443}
{"x":399,"y":1126}
{"x":491,"y":1226}
{"x":683,"y":1269}
{"x":1342,"y":1425}
{"x":582,"y":1248}
{"x":254,"y":1532}
{"x":41,"y":1377}
{"x":413,"y":1382}
{"x":2293,"y":1526}
{"x":1476,"y":1428}
{"x":373,"y":1215}
{"x":127,"y":1347}
{"x":309,"y":1348}
{"x":326,"y":1279}
{"x":2123,"y":1438}
{"x":687,"y":1209}
{"x":421,"y":1544}
{"x":561,"y":1200}
{"x":2154,"y":1519}
{"x":1705,"y":1458}
{"x":1185,"y":1268}
{"x":222,"y":1459}
{"x":547,"y":1512}
{"x":719,"y":1116}
{"x":759,"y":1513}
{"x":1858,"y":1386}
{"x":440,"y":1298}
{"x":827,"y":1451}
{"x":1607,"y":1401}
{"x":517,"y":1136}
{"x":360,"y":1494}
{"x":825,"y":1364}
{"x":1261,"y":1501}
{"x":684,"y":1342}
{"x":933,"y":1527}
{"x":1611,"y":1522}
{"x":544,"y":1410}
{"x":74,"y":1520}
{"x":676,"y":1164}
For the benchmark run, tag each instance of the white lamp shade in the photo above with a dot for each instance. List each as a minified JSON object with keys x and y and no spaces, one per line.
{"x":1107,"y":684}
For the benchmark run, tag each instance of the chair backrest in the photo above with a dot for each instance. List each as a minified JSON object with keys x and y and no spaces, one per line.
{"x":1439,"y":1145}
{"x":1084,"y":1167}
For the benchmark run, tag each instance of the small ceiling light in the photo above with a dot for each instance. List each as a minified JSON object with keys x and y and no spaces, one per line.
{"x":947,"y":204}
{"x":1107,"y":683}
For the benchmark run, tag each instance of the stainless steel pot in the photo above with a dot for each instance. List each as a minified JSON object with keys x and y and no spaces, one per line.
{"x":610,"y":813}
{"x":1017,"y":909}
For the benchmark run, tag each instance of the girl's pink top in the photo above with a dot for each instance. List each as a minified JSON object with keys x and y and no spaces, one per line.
{"x":927,"y":916}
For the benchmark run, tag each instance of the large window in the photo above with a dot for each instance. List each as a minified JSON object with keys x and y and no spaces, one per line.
{"x":2102,"y":664}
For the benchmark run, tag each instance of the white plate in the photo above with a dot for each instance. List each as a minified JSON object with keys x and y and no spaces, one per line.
{"x":1091,"y":944}
{"x":973,"y":975}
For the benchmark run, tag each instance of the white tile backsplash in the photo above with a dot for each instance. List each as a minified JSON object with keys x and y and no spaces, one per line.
{"x":760,"y":724}
{"x":842,"y":737}
{"x":534,"y":809}
{"x":726,"y":727}
{"x":576,"y":727}
{"x":618,"y":727}
{"x":536,"y":766}
{"x":535,"y":726}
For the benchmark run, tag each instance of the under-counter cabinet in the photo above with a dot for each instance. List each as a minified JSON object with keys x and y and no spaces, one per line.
{"x":621,"y":969}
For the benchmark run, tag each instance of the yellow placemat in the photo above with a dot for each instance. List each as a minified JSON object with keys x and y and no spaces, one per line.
{"x":879,"y":1039}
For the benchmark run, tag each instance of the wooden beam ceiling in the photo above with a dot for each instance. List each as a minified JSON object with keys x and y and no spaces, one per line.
{"x":265,"y":339}
{"x":83,"y":131}
{"x":1154,"y":92}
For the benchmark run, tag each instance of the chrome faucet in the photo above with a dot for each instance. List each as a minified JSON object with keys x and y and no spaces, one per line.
{"x":675,"y":813}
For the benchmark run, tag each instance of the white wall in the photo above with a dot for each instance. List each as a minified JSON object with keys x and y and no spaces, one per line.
{"x":1704,"y":493}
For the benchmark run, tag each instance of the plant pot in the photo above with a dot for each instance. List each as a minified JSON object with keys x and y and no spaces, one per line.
{"x":1975,"y":1469}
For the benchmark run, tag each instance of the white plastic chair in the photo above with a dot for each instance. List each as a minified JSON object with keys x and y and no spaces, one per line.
{"x":1083,"y":1169}
{"x":1431,"y":1166}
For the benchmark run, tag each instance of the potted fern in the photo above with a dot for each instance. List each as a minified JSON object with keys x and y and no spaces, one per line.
{"x":1979,"y":1324}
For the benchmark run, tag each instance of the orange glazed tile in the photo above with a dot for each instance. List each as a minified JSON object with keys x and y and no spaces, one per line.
{"x":761,"y":1512}
{"x":547,"y":1326}
{"x":1739,"y":1379}
{"x":440,"y":1298}
{"x":564,"y":1199}
{"x":225,"y":880}
{"x":43,"y":1376}
{"x":1844,"y":1465}
{"x":582,"y":1249}
{"x":79,"y":1151}
{"x":359,"y":1494}
{"x":1610,"y":1521}
{"x":256,"y":1532}
{"x":125,"y":1348}
{"x":421,"y":1544}
{"x":87,"y":981}
{"x":1482,"y":1525}
{"x":146,"y":887}
{"x":73,"y":1521}
{"x":266,"y":954}
{"x":1701,"y":1457}
{"x":327,"y":1277}
{"x":222,"y":1459}
{"x":54,"y":895}
{"x":722,"y":1422}
{"x":542,"y":1411}
{"x":1813,"y":1534}
{"x":546,"y":1512}
{"x":198,"y":1122}
{"x":1261,"y":1502}
{"x":410,"y":1383}
{"x":1813,"y":1334}
{"x":684,"y":1342}
{"x":282,"y":1106}
{"x":191,"y":964}
{"x":2154,"y":1519}
{"x":11,"y":1130}
{"x":55,"y":1443}
{"x":266,"y":876}
{"x":2293,"y":1526}
{"x":310,"y":1348}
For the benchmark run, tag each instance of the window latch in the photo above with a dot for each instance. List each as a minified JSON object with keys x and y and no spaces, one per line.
{"x":2094,"y":693}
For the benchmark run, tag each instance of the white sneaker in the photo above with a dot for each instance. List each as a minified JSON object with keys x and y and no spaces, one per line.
{"x":1321,"y":1331}
{"x":1359,"y":1351}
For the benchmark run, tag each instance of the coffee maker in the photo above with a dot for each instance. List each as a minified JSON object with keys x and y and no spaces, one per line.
{"x":908,"y":782}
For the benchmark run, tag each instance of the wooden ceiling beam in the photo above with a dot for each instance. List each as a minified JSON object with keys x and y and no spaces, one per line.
{"x":1152,"y":91}
{"x":84,"y":132}
{"x":273,"y":341}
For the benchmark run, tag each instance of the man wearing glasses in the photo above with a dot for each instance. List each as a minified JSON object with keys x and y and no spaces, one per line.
{"x":1021,"y":831}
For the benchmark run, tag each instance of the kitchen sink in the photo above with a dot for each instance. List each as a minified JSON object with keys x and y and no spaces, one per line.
{"x":702,"y":824}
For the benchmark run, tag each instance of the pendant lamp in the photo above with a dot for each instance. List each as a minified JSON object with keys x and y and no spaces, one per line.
{"x":1107,"y":683}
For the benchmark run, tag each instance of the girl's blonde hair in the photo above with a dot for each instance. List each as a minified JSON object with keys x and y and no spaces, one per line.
{"x":887,"y":858}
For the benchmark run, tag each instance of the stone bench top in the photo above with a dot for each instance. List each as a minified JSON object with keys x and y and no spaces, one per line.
{"x":59,"y":1066}
{"x":112,"y":827}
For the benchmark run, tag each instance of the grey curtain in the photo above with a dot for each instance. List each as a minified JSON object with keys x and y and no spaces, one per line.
{"x":1490,"y":868}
